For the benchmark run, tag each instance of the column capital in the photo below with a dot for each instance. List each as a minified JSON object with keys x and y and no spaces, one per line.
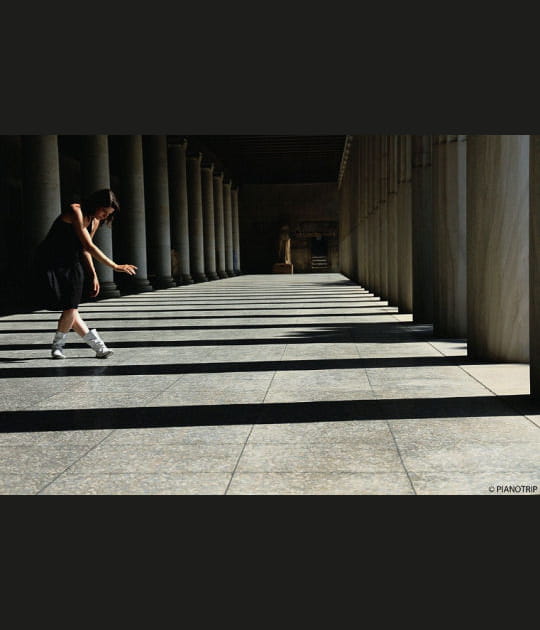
{"x":195,"y":155}
{"x":207,"y":164}
{"x":181,"y":144}
{"x":218,"y":174}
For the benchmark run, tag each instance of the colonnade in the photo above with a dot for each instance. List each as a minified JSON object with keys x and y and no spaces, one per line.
{"x":447,"y":227}
{"x":178,"y":220}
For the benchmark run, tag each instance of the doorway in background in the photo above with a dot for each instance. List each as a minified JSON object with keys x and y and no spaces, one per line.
{"x":319,"y":253}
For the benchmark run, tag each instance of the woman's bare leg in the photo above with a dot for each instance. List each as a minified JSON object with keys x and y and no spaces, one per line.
{"x":65,"y":323}
{"x":79,"y":325}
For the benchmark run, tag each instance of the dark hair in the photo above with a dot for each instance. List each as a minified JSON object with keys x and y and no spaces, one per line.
{"x":104,"y":198}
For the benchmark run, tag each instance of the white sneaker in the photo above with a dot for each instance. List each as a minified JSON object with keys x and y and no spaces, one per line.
{"x":96,"y":343}
{"x":58,"y":345}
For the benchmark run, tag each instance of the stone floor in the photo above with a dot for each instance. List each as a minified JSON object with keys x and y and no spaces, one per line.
{"x":267,"y":384}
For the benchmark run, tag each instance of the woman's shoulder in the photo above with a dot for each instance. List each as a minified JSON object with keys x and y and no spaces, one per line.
{"x":70,"y":212}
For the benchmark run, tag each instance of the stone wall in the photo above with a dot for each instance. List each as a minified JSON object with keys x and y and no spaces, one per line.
{"x":265,"y":208}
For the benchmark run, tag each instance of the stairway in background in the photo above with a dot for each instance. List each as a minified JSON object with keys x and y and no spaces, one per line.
{"x":319,"y":263}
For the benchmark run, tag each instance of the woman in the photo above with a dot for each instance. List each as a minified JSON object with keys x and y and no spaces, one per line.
{"x":68,"y":243}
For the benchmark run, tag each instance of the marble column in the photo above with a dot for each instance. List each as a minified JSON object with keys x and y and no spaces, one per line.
{"x":344,"y":223}
{"x":158,"y":222}
{"x":341,"y":228}
{"x":360,"y":244}
{"x":219,"y":224}
{"x":344,"y":213}
{"x":534,"y":265}
{"x":235,"y":231}
{"x":369,"y":212}
{"x":364,"y":212}
{"x":178,"y":200}
{"x":352,"y":191}
{"x":209,"y":229}
{"x":393,"y":297}
{"x":438,"y":188}
{"x":95,"y":175}
{"x":41,"y":188}
{"x":422,"y":231}
{"x":196,"y":222}
{"x":227,"y":213}
{"x":404,"y":222}
{"x":376,"y":228}
{"x":41,"y":204}
{"x":129,"y":237}
{"x":450,"y":236}
{"x":498,"y":247}
{"x":349,"y":191}
{"x":383,"y":209}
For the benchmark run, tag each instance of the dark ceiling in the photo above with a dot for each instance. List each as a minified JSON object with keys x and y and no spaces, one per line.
{"x":256,"y":159}
{"x":274,"y":159}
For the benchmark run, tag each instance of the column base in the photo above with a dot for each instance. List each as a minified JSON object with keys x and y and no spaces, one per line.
{"x":184,"y":278}
{"x":237,"y":272}
{"x":222,"y":274}
{"x":134,"y":285}
{"x":108,"y":290}
{"x":163,"y":282}
{"x":199,"y":277}
{"x":230,"y":273}
{"x":212,"y":275}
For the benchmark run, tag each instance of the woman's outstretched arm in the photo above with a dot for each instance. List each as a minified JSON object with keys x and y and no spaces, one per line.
{"x":76,"y":216}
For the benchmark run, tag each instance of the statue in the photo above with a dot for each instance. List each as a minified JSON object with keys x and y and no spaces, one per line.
{"x":284,"y":264}
{"x":284,"y":249}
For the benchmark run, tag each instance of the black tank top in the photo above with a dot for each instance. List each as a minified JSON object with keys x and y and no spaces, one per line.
{"x":61,"y":247}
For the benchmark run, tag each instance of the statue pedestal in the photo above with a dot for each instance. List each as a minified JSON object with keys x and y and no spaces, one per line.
{"x":282,"y":268}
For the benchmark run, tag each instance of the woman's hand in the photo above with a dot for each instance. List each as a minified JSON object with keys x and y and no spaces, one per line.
{"x":129,"y":269}
{"x":95,"y":287}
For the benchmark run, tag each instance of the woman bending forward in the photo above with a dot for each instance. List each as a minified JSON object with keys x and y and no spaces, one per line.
{"x":68,"y":244}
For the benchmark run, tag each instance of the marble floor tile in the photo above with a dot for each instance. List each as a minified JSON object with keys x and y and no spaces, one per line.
{"x":22,"y":459}
{"x":226,"y":434}
{"x":132,"y":383}
{"x":471,"y":456}
{"x":485,"y":429}
{"x":502,"y":379}
{"x":54,"y":438}
{"x":451,"y":348}
{"x":342,"y":379}
{"x":159,"y":483}
{"x":223,"y":380}
{"x":366,"y":432}
{"x":534,"y":418}
{"x":13,"y":401}
{"x":24,"y":483}
{"x":433,"y":389}
{"x":214,"y":396}
{"x":159,"y":458}
{"x":319,"y":457}
{"x":320,"y":351}
{"x":333,"y":483}
{"x":422,"y":375}
{"x":301,"y":394}
{"x":95,"y":400}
